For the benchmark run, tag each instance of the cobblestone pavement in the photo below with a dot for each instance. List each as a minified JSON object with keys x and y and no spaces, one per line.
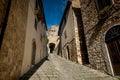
{"x":57,"y":68}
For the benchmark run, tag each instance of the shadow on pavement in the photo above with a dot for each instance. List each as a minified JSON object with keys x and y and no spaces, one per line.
{"x":27,"y":75}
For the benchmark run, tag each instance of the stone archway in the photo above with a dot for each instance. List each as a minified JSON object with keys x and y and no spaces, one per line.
{"x":33,"y":53}
{"x":51,"y":46}
{"x":112,"y":39}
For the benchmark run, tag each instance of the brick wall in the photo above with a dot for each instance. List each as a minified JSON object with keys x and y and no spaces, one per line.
{"x":12,"y":49}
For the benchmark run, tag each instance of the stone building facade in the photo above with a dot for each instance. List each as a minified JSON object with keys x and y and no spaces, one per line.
{"x":35,"y":40}
{"x":101,"y":21}
{"x":71,"y":44}
{"x":19,"y":37}
{"x":90,"y":34}
{"x":53,"y":38}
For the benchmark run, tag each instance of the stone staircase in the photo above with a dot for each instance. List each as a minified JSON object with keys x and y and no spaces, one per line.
{"x":57,"y":68}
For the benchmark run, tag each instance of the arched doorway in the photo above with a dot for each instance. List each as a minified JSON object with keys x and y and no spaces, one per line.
{"x":51,"y":46}
{"x":33,"y":53}
{"x":112,"y":40}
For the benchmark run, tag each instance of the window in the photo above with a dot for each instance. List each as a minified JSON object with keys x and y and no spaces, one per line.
{"x":35,"y":24}
{"x":68,"y":53}
{"x":36,"y":8}
{"x":36,"y":4}
{"x":65,"y":34}
{"x":101,"y":4}
{"x":33,"y":53}
{"x":103,"y":7}
{"x":117,"y":1}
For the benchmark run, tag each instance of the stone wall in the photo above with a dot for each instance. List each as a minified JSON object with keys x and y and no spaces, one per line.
{"x":82,"y":55}
{"x":69,"y":50}
{"x":12,"y":49}
{"x":95,"y":30}
{"x":35,"y":34}
{"x":72,"y":36}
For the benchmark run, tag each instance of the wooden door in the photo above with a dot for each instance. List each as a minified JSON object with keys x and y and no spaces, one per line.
{"x":114,"y":52}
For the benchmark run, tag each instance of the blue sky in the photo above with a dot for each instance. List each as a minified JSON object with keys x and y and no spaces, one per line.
{"x":53,"y":10}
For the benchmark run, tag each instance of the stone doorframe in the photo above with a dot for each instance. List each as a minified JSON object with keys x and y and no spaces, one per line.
{"x":110,"y":63}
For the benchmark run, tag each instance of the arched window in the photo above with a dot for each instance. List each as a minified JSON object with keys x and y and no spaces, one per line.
{"x":112,"y":40}
{"x":33,"y":53}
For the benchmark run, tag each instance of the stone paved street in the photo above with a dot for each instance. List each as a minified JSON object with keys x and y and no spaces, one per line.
{"x":57,"y":68}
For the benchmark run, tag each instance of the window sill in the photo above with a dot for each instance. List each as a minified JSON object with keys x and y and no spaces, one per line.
{"x":105,"y":12}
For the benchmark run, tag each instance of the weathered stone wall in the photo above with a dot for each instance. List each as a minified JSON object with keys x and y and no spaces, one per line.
{"x":95,"y":30}
{"x":82,"y":55}
{"x":72,"y":53}
{"x":68,"y":38}
{"x":72,"y":39}
{"x":34,"y":34}
{"x":12,"y":49}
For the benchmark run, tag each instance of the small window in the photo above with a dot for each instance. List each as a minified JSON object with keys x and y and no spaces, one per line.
{"x":33,"y":53}
{"x":35,"y":24}
{"x":36,"y":7}
{"x":117,"y":1}
{"x":101,"y":4}
{"x":36,"y":4}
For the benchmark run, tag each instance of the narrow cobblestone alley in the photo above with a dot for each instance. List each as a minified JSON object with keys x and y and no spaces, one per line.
{"x":57,"y":68}
{"x":59,"y":39}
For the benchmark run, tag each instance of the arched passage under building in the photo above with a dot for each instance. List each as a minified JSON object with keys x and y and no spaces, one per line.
{"x":112,"y":39}
{"x":51,"y":46}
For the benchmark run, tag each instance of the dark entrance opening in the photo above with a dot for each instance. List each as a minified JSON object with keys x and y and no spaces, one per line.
{"x":51,"y":46}
{"x":112,"y":40}
{"x":33,"y":53}
{"x":68,"y":53}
